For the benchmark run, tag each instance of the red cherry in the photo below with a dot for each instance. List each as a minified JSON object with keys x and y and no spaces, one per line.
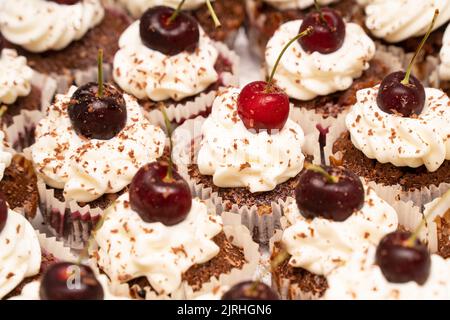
{"x":68,"y":281}
{"x":157,"y":197}
{"x":3,"y":211}
{"x":263,"y":106}
{"x":67,"y":2}
{"x":401,"y":261}
{"x":159,"y":32}
{"x":250,"y":290}
{"x":328,"y":34}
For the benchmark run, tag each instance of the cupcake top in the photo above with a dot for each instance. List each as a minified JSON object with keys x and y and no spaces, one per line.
{"x":130,"y":248}
{"x":150,"y":74}
{"x":362,"y":279}
{"x":5,"y":155}
{"x":20,"y":252}
{"x":238,"y":157}
{"x":304,"y":76}
{"x":88,"y":168}
{"x":296,"y":4}
{"x":40,"y":25}
{"x":402,"y":141}
{"x":137,"y":7}
{"x":395,"y":21}
{"x":15,"y":76}
{"x":444,"y":68}
{"x":320,"y":245}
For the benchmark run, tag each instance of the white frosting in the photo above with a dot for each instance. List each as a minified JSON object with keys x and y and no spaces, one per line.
{"x":296,"y":4}
{"x":20,"y":252}
{"x":238,"y":157}
{"x":398,"y":20}
{"x":15,"y":76}
{"x":41,"y":25}
{"x":130,"y":248}
{"x":444,"y":68}
{"x":150,"y":74}
{"x":305,"y":76}
{"x":362,"y":279}
{"x":402,"y":141}
{"x":320,"y":245}
{"x":5,"y":155}
{"x":215,"y":294}
{"x":88,"y":168}
{"x":138,"y":7}
{"x":31,"y":291}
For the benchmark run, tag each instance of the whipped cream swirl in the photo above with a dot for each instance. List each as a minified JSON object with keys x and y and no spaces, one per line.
{"x":5,"y":155}
{"x":305,"y":76}
{"x":40,"y":25}
{"x":362,"y":279}
{"x":20,"y":254}
{"x":296,"y":4}
{"x":15,"y":76}
{"x":320,"y":245}
{"x":88,"y":168}
{"x":138,"y":7}
{"x":150,"y":74}
{"x":444,"y":68}
{"x":402,"y":141}
{"x":130,"y":248}
{"x":398,"y":20}
{"x":238,"y":157}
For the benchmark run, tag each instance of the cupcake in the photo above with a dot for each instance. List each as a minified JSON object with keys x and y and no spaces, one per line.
{"x":88,"y":148}
{"x":334,"y":215}
{"x":62,"y":40}
{"x":23,"y":95}
{"x":266,"y":16}
{"x":247,"y":171}
{"x":231,"y":13}
{"x":183,"y":75}
{"x":164,"y":244}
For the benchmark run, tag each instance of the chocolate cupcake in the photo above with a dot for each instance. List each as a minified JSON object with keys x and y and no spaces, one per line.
{"x":62,"y":40}
{"x":85,"y":157}
{"x":185,"y":78}
{"x":266,"y":16}
{"x":231,"y":13}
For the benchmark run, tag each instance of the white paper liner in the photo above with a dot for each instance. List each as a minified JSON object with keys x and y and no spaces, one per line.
{"x":178,"y":112}
{"x":51,"y":245}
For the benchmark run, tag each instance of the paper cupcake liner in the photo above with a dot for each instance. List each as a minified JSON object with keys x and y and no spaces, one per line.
{"x":50,"y":245}
{"x":262,"y":225}
{"x":201,"y":105}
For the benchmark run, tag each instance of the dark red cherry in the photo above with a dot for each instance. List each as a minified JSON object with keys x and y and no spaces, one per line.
{"x":169,"y":37}
{"x":401,"y":261}
{"x":250,"y":290}
{"x":404,"y":99}
{"x":330,"y":192}
{"x":156,"y":197}
{"x":3,"y":211}
{"x":328,"y":34}
{"x":97,"y":117}
{"x":68,"y":281}
{"x":68,"y":2}
{"x":263,"y":106}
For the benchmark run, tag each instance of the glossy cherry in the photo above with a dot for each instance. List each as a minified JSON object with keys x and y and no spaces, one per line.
{"x":329,"y":31}
{"x":330,"y":192}
{"x":158,"y":196}
{"x":68,"y":281}
{"x":402,"y":260}
{"x":250,"y":290}
{"x":169,"y":36}
{"x":3,"y":211}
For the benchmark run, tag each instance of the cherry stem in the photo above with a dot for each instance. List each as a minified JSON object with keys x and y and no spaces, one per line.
{"x":100,"y":73}
{"x":176,"y":12}
{"x":405,"y":81}
{"x":300,"y":35}
{"x":169,"y":176}
{"x":412,"y":239}
{"x":322,"y":171}
{"x":213,"y":14}
{"x":319,"y":10}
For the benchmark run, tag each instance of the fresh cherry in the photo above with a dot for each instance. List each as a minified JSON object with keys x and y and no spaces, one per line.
{"x":159,"y":196}
{"x":169,"y":36}
{"x":3,"y":211}
{"x":68,"y":281}
{"x":329,"y":31}
{"x":250,"y":290}
{"x":330,"y":192}
{"x":68,"y":2}
{"x":402,"y":258}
